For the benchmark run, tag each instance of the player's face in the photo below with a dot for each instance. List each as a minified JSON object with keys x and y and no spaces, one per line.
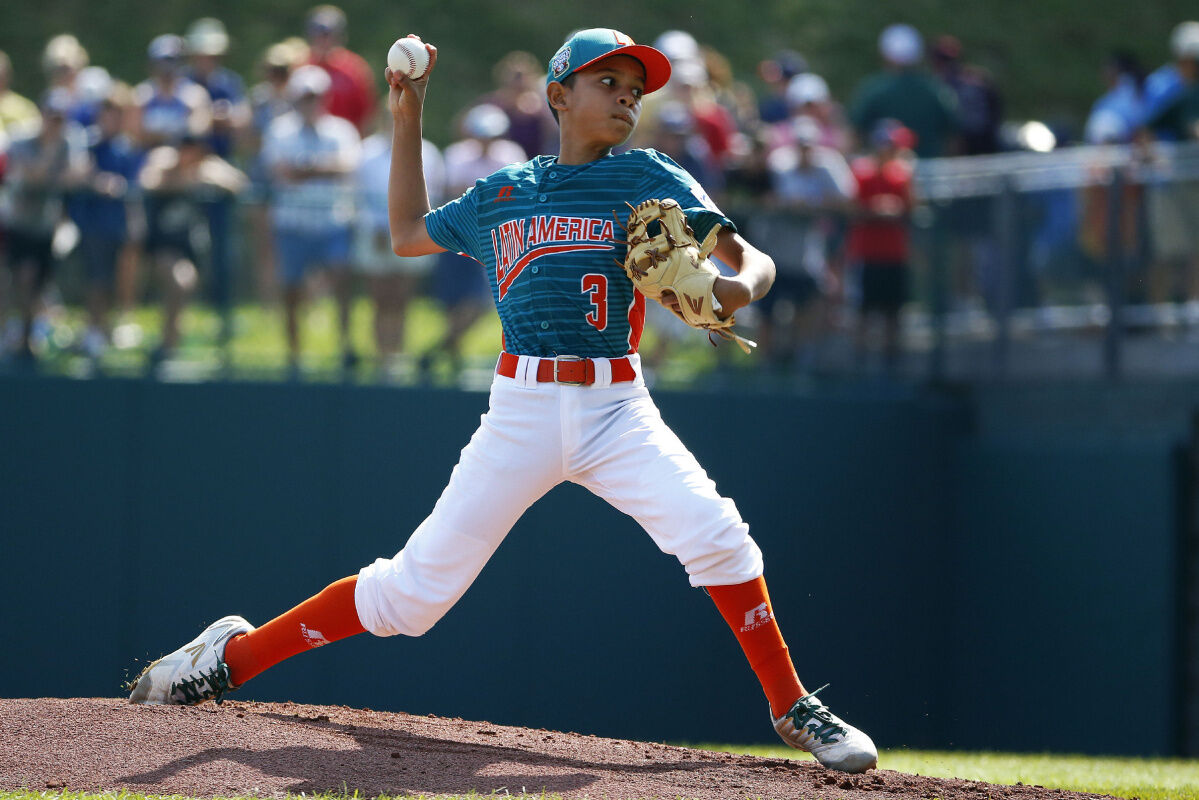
{"x":605,"y":99}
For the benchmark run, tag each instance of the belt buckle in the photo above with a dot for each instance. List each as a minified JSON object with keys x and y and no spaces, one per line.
{"x":569,"y":383}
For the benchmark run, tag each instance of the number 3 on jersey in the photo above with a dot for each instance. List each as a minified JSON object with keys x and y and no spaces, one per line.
{"x":597,"y":286}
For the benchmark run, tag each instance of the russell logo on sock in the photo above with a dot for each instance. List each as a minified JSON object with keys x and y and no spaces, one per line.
{"x":756,"y":617}
{"x":311,"y":635}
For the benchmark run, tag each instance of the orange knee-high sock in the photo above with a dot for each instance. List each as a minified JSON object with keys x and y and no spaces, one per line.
{"x":746,"y":608}
{"x":327,"y":617}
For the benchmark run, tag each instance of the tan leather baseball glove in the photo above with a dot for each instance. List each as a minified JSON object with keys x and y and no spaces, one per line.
{"x":664,"y":256}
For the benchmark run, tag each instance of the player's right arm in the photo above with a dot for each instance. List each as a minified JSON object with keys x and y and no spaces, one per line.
{"x":407,"y":195}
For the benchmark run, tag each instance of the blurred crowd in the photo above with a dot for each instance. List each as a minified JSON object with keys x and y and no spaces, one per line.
{"x":188,"y":180}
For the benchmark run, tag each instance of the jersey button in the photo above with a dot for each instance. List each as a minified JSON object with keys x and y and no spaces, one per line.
{"x":536,"y":270}
{"x":553,"y":174}
{"x":545,"y":326}
{"x":541,"y":198}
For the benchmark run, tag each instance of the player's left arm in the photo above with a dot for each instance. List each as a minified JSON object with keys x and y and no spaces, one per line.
{"x":755,"y":272}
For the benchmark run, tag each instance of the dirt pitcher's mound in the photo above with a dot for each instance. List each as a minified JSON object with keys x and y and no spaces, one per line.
{"x":273,"y":749}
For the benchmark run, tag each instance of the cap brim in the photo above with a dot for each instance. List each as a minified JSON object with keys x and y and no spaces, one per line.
{"x":657,"y":65}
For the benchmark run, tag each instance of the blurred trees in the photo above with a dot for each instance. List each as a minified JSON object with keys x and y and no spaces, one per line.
{"x":1045,"y":53}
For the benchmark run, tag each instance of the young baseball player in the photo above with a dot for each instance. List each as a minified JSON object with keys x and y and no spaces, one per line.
{"x":568,"y":402}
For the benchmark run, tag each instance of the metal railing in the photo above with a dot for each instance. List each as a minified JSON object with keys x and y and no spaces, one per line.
{"x":1024,"y":265}
{"x":1115,"y":207}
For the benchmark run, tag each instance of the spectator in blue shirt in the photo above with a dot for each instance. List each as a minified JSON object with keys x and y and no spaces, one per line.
{"x":207,"y":43}
{"x":1169,"y":86}
{"x":169,"y":106}
{"x":1122,"y":107}
{"x":101,"y":213}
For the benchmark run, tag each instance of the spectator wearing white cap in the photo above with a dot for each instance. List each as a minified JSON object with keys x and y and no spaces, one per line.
{"x":679,"y":46}
{"x":687,"y":73}
{"x":812,"y":189}
{"x":65,"y":65}
{"x":62,"y":59}
{"x":483,"y":148}
{"x":1172,"y":91}
{"x":807,"y":95}
{"x":904,"y":91}
{"x":207,"y":43}
{"x":312,"y":155}
{"x":93,"y":85}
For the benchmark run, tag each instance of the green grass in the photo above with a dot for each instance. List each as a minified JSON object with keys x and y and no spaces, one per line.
{"x":1144,"y":778}
{"x":256,"y":348}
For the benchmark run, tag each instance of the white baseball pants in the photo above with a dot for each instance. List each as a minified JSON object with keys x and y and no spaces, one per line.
{"x":607,"y":437}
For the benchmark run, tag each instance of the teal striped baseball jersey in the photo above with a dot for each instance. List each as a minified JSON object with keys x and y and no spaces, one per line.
{"x":547,"y":236}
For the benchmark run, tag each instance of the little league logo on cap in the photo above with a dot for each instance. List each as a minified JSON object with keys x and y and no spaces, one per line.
{"x":561,"y":62}
{"x":589,"y":46}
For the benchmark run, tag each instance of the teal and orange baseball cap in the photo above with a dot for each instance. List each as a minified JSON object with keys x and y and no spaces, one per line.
{"x":586,"y":47}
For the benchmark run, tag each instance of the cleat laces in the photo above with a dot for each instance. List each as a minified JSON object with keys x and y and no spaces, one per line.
{"x":817,"y":720}
{"x":205,"y":686}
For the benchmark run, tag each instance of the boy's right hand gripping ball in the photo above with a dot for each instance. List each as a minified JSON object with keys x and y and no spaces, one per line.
{"x":408,"y":57}
{"x":664,"y":256}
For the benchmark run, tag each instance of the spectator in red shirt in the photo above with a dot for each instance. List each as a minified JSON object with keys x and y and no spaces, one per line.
{"x":878,"y":239}
{"x":352,"y":95}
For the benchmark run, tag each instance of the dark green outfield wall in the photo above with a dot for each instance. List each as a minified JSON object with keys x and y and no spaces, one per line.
{"x":958,"y":585}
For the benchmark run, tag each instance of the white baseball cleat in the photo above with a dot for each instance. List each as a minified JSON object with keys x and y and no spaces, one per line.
{"x":194,"y":673}
{"x":811,"y":727}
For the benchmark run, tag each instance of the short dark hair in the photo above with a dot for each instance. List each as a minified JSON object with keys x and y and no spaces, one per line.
{"x":567,"y":81}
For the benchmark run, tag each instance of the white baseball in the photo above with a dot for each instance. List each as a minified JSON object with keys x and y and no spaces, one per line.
{"x":408,"y":57}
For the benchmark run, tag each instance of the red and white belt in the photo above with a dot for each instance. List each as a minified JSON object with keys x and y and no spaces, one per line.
{"x":568,"y":370}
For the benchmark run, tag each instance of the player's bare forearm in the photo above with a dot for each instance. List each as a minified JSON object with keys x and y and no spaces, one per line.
{"x":755,"y":273}
{"x":407,"y":195}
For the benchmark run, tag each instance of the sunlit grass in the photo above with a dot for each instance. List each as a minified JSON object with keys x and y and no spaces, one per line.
{"x":1144,"y":778}
{"x":254,"y":346}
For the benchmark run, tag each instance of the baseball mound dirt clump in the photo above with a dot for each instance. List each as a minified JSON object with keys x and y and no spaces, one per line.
{"x":274,"y":749}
